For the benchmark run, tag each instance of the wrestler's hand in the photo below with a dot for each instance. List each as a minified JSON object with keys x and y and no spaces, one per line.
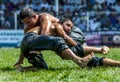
{"x":18,"y":67}
{"x":104,"y":49}
{"x":19,"y":62}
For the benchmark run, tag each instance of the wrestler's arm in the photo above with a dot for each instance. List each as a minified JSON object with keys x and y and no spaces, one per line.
{"x":20,"y":60}
{"x":26,"y":28}
{"x":61,"y":33}
{"x":19,"y":68}
{"x":34,"y":29}
{"x":46,"y":21}
{"x":102,"y":50}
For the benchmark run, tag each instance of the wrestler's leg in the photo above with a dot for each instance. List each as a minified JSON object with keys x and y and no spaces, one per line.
{"x":82,"y":62}
{"x":59,"y":45}
{"x":85,"y":60}
{"x":110,"y":62}
{"x":37,"y":60}
{"x":96,"y":61}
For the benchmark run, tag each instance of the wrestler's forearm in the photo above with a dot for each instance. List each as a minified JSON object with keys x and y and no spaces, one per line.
{"x":89,"y":49}
{"x":21,"y":58}
{"x":70,"y":41}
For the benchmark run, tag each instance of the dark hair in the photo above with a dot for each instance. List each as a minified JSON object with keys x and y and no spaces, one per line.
{"x":26,"y":12}
{"x":62,"y":20}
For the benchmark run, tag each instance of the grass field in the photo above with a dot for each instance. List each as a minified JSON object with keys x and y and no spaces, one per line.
{"x":59,"y":70}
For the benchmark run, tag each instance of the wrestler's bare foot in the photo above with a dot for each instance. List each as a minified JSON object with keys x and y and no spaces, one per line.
{"x":104,"y":50}
{"x":85,"y":60}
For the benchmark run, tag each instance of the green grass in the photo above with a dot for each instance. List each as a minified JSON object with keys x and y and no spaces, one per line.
{"x":59,"y":70}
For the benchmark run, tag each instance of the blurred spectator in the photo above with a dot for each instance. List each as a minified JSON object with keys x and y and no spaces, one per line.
{"x":9,"y":6}
{"x":45,"y":5}
{"x":97,"y":7}
{"x":118,"y":22}
{"x":118,"y":18}
{"x":94,"y":24}
{"x":89,"y":5}
{"x":76,"y":18}
{"x":81,"y":5}
{"x":9,"y":19}
{"x":92,"y":2}
{"x":68,"y":13}
{"x":43,"y":10}
{"x":105,"y":7}
{"x":37,"y":6}
{"x":7,"y":25}
{"x":82,"y":24}
{"x":99,"y":14}
{"x":113,"y":18}
{"x":117,"y":6}
{"x":100,"y":1}
{"x":2,"y":5}
{"x":52,"y":8}
{"x":21,"y":5}
{"x":29,"y":4}
{"x":110,"y":2}
{"x":66,"y":6}
{"x":1,"y":12}
{"x":105,"y":22}
{"x":2,"y":19}
{"x":116,"y":25}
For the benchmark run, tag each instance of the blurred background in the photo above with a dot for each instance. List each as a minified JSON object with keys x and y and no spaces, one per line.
{"x":98,"y":19}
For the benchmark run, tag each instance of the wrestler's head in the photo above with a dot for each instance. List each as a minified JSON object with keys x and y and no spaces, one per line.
{"x":28,"y":17}
{"x":67,"y":24}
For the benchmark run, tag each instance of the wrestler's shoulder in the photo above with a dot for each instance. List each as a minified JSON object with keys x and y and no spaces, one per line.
{"x":44,"y":14}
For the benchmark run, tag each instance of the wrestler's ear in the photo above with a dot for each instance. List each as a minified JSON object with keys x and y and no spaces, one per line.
{"x":34,"y":16}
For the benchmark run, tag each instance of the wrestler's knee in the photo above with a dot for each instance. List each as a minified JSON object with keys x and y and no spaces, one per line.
{"x":60,"y":44}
